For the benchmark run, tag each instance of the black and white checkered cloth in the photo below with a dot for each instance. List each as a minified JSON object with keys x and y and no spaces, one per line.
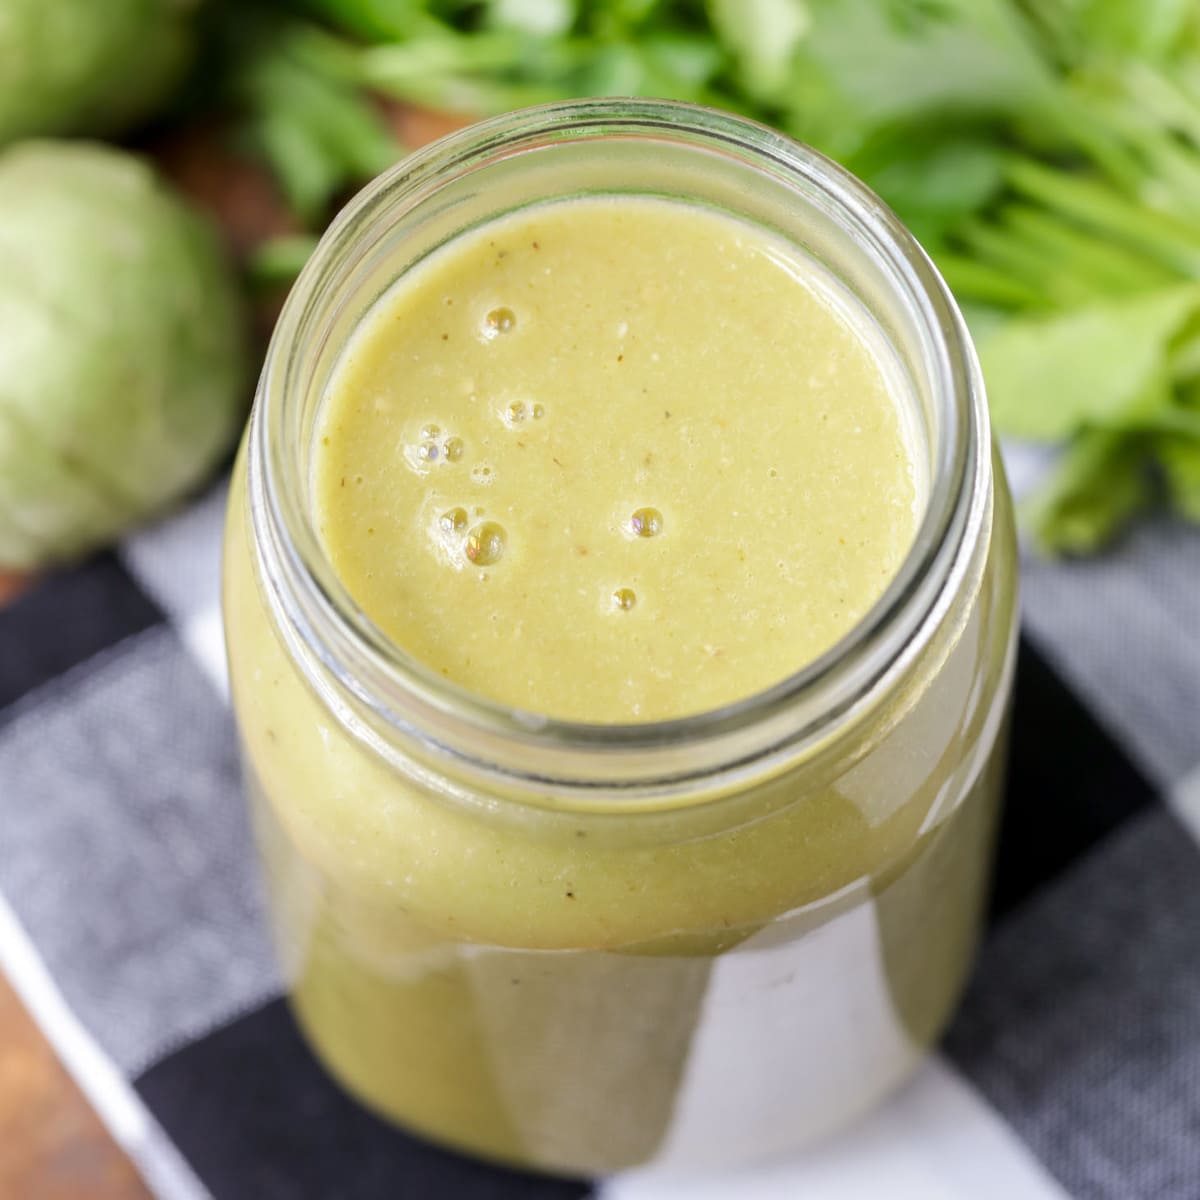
{"x":131,"y":921}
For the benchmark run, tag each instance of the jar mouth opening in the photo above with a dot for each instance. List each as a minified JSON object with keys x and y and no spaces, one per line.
{"x":371,"y":673}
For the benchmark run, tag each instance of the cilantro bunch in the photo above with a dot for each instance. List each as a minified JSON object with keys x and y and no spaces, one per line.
{"x":1046,"y":153}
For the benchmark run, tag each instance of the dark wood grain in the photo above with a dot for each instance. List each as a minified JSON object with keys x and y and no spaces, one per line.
{"x":12,"y":583}
{"x":52,"y":1145}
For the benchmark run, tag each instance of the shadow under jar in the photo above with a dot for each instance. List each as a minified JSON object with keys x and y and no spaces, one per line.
{"x":581,"y":947}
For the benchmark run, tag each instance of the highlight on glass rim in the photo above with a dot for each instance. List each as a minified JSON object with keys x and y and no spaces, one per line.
{"x":598,"y":599}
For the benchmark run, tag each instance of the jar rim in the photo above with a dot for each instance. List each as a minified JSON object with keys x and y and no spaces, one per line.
{"x":377,"y":687}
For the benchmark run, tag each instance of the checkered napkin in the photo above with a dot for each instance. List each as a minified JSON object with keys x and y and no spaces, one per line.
{"x":132,"y":924}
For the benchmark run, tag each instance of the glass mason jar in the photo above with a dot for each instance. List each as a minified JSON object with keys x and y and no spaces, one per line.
{"x":584,"y":947}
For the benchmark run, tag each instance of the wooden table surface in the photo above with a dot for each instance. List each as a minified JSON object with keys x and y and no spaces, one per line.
{"x":52,"y":1144}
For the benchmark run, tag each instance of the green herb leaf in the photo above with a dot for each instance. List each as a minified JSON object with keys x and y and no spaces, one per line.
{"x":1179,"y":456}
{"x":1048,"y":377}
{"x":306,"y":114}
{"x":762,"y":36}
{"x":1098,"y":487}
{"x":1087,"y":29}
{"x":278,"y":261}
{"x":865,"y":65}
{"x":535,"y":18}
{"x":373,"y":19}
{"x":937,"y":184}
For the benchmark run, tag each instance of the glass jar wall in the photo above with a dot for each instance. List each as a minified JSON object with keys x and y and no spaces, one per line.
{"x":580,"y":947}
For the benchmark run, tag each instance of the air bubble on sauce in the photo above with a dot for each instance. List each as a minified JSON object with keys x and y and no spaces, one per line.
{"x":430,"y":431}
{"x":624,"y":599}
{"x":453,"y":448}
{"x":452,"y":521}
{"x":498,"y":321}
{"x":539,"y":412}
{"x":486,"y":544}
{"x":515,"y":413}
{"x":646,"y":523}
{"x":481,"y":473}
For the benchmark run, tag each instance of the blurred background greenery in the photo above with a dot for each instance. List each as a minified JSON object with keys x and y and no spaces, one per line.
{"x":1046,"y":153}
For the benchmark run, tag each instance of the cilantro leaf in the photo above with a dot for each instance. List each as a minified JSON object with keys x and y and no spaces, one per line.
{"x":762,"y":36}
{"x":1179,"y":456}
{"x":1099,"y":486}
{"x":1048,"y":377}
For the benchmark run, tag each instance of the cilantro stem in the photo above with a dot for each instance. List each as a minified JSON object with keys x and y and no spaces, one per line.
{"x":1172,"y":418}
{"x":1108,"y":267}
{"x":1168,"y":239}
{"x":971,"y":279}
{"x":1028,"y":263}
